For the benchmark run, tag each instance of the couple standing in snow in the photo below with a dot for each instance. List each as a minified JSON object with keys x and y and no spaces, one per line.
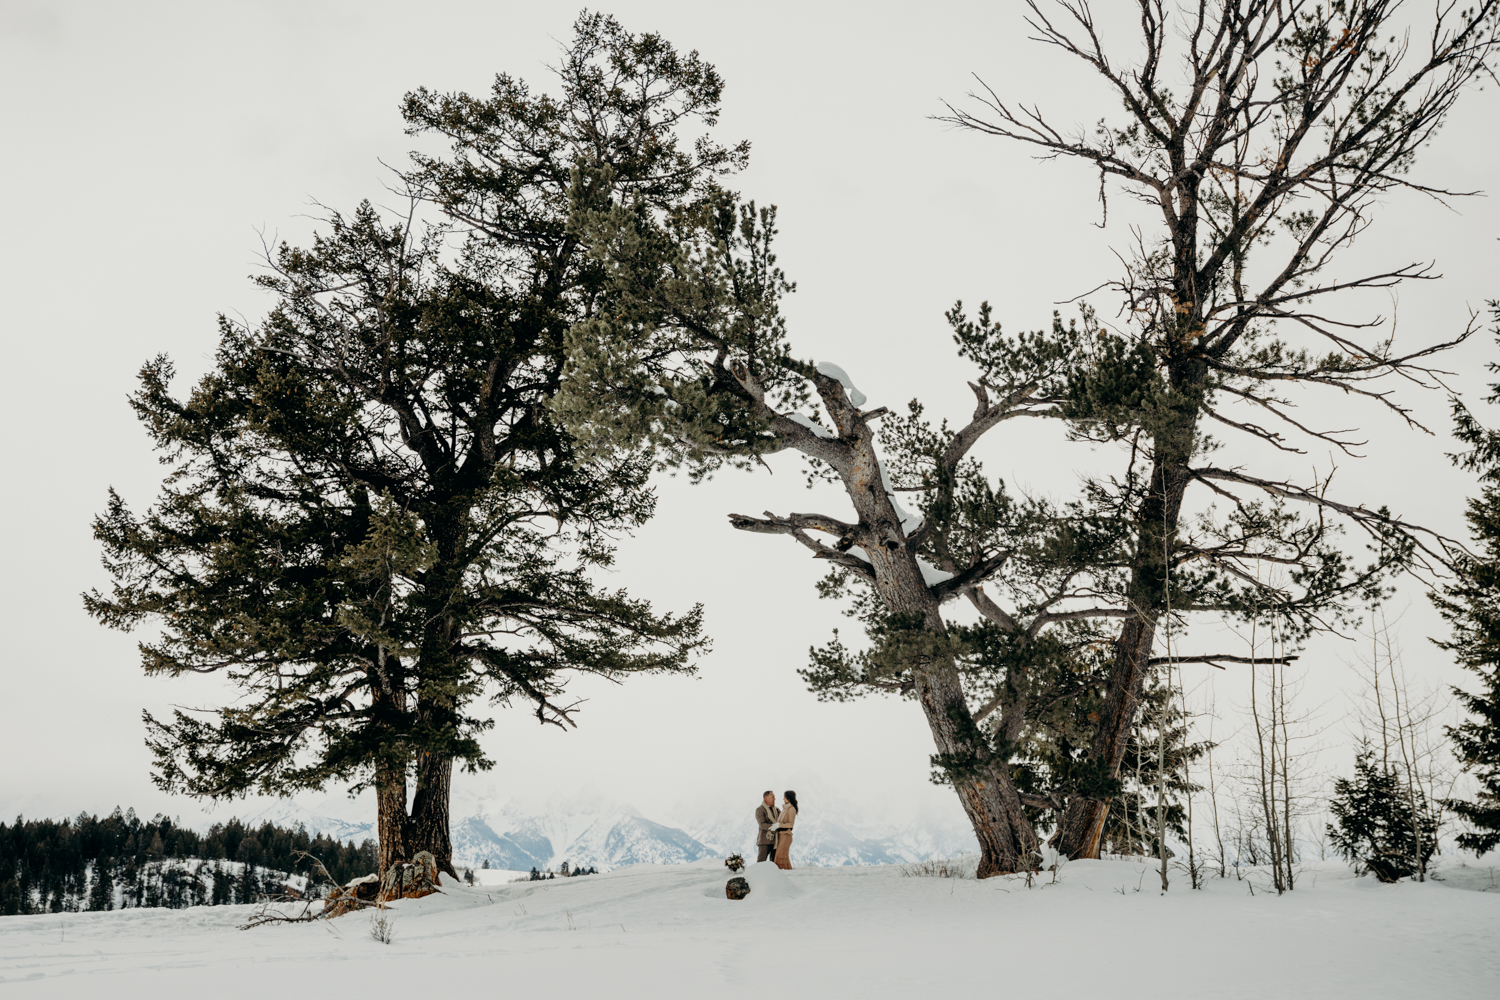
{"x":774,"y":841}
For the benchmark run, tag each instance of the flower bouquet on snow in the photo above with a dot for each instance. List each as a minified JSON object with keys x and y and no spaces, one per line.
{"x":734,"y":862}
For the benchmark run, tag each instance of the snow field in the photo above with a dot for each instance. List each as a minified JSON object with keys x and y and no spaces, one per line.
{"x":492,"y":877}
{"x":667,"y":931}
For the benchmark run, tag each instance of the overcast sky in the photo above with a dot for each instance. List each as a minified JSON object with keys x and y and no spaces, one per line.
{"x":147,"y":148}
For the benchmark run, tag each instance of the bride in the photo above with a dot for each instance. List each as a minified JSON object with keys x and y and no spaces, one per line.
{"x":784,"y":823}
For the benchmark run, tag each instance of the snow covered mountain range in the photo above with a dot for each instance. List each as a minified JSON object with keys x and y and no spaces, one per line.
{"x":590,"y":830}
{"x":590,"y":834}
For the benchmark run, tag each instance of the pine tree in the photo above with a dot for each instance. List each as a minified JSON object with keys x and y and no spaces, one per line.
{"x":131,"y":881}
{"x":1375,"y":826}
{"x":1471,"y":606}
{"x":11,"y":898}
{"x":102,"y":891}
{"x":373,"y":520}
{"x":221,"y":894}
{"x":247,"y":887}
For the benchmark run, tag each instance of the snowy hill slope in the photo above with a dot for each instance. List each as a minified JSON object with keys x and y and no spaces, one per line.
{"x":474,"y":844}
{"x":867,"y":932}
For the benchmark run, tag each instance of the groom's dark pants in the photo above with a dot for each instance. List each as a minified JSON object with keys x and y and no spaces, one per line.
{"x":764,"y":852}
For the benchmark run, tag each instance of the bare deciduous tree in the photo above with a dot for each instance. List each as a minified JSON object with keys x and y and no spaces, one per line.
{"x":1263,"y":133}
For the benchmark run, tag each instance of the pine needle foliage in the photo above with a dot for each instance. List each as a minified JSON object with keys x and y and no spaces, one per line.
{"x":1381,"y":824}
{"x":1471,"y":606}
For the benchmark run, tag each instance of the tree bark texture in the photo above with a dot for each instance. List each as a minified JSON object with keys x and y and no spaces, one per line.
{"x":988,"y":795}
{"x":990,"y":800}
{"x":429,"y":827}
{"x":390,"y":802}
{"x":388,"y":705}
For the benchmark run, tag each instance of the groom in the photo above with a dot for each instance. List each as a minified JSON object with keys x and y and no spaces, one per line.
{"x":765,"y":820}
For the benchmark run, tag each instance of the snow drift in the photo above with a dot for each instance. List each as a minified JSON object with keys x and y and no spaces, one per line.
{"x":868,"y":932}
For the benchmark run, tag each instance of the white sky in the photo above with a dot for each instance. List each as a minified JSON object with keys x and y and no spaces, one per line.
{"x":146,"y":145}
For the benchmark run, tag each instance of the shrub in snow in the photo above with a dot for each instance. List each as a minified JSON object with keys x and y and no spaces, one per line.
{"x":1381,"y":824}
{"x":940,"y":868}
{"x":382,"y":927}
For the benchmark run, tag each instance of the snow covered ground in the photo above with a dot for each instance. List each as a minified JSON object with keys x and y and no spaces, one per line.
{"x":866,"y":932}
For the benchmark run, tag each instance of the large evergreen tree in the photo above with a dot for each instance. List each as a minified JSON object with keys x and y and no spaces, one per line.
{"x":1471,"y":605}
{"x":373,"y":520}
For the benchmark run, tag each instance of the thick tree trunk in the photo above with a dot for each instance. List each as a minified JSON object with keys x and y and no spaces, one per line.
{"x":387,"y":712}
{"x":429,"y":828}
{"x":390,"y":801}
{"x":1007,"y":841}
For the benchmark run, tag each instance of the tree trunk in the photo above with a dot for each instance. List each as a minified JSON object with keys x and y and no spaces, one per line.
{"x":1007,"y":840}
{"x":1082,"y":823}
{"x":386,"y":711}
{"x":390,"y":800}
{"x":429,"y":828}
{"x":989,"y":797}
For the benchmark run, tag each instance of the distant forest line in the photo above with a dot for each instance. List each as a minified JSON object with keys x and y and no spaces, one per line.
{"x":120,"y":860}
